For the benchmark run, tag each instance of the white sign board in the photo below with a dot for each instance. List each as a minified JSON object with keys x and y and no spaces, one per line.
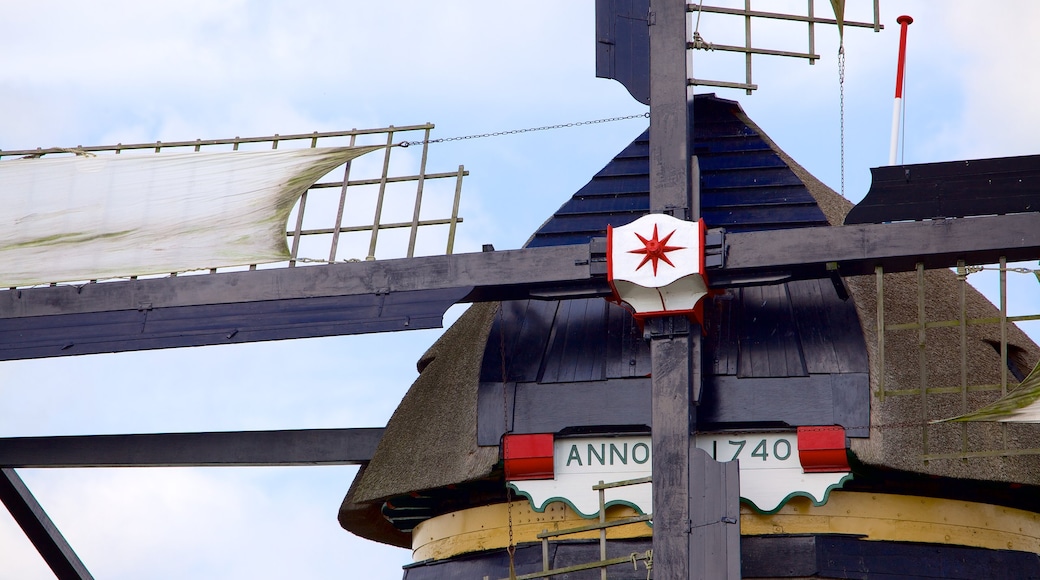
{"x":770,"y":472}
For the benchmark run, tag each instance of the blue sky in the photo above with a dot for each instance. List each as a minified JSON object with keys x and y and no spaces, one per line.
{"x":121,"y":71}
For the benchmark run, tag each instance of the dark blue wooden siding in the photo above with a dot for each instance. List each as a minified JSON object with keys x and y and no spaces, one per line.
{"x":779,"y":332}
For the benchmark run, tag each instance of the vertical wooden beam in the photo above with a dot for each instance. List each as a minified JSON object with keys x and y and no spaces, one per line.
{"x":672,"y":349}
{"x":680,"y":493}
{"x":670,"y":102}
{"x":671,"y":341}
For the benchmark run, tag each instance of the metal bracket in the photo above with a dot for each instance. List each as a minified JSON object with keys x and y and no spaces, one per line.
{"x":715,"y":248}
{"x":666,"y":327}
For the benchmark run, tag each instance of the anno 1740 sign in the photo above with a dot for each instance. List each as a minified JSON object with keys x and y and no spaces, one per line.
{"x":771,"y":470}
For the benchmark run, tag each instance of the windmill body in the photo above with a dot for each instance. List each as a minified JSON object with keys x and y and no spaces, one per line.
{"x":807,"y":381}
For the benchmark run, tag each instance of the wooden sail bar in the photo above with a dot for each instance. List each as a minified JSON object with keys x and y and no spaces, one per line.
{"x":233,"y":141}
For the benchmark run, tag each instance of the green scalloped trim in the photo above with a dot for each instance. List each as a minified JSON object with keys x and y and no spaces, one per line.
{"x":564,"y":500}
{"x":783,"y":502}
{"x":792,"y":495}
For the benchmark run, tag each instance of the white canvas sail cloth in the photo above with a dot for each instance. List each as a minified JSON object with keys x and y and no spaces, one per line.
{"x":94,"y":217}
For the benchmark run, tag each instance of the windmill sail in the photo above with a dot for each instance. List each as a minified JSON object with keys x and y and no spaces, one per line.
{"x":1021,"y":405}
{"x":93,"y":217}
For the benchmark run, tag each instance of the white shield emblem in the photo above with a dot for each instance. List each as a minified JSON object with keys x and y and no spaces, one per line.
{"x":656,"y":264}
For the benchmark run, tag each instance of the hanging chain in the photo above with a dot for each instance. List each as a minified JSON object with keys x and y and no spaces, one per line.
{"x":511,"y":547}
{"x":841,"y":100}
{"x":528,"y":130}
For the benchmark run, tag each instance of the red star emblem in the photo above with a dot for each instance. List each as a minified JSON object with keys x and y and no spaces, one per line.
{"x":655,"y":249}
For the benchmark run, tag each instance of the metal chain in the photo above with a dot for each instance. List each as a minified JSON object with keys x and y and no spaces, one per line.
{"x":511,"y":547}
{"x":841,"y":99}
{"x":976,"y":269}
{"x":528,"y":130}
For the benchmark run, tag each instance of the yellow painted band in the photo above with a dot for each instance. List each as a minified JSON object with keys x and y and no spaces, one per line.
{"x":487,"y":528}
{"x":879,"y":517}
{"x":902,"y":518}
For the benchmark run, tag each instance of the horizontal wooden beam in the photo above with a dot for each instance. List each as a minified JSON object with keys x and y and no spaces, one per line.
{"x":809,"y":253}
{"x":492,"y":275}
{"x":288,"y":447}
{"x":414,"y":293}
{"x":276,"y":304}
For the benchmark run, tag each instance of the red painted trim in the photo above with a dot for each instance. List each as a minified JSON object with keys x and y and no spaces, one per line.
{"x":822,"y":449}
{"x":904,"y":21}
{"x":528,"y":456}
{"x":701,"y":232}
{"x":615,"y":297}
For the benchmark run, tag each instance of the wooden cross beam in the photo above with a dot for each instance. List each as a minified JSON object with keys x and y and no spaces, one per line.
{"x":414,"y":293}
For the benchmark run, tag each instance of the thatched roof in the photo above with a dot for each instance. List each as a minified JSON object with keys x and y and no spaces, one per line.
{"x":899,"y":423}
{"x":431,"y":441}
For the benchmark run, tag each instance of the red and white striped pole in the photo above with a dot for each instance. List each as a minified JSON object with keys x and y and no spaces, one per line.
{"x":904,"y":21}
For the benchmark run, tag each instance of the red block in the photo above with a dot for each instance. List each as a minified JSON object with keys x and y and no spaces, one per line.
{"x":822,"y":449}
{"x":528,"y":456}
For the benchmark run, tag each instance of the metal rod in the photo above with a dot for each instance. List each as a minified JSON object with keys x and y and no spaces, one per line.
{"x":380,"y":196}
{"x":418,"y":196}
{"x":382,"y":226}
{"x":976,"y":454}
{"x":922,"y":357}
{"x":971,"y":322}
{"x":1003,"y":327}
{"x":779,"y":16}
{"x":602,"y":531}
{"x":1003,"y":341}
{"x":623,"y":483}
{"x":962,"y":275}
{"x":597,"y":526}
{"x":812,"y":30}
{"x":944,"y":390}
{"x":342,"y":205}
{"x":747,"y":44}
{"x":811,"y":56}
{"x":294,"y":252}
{"x":576,"y":568}
{"x":721,"y":84}
{"x":226,"y":141}
{"x":455,"y":219}
{"x":879,"y":273}
{"x":389,"y":179}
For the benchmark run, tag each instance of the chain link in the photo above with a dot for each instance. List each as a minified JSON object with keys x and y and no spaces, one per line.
{"x":528,"y":130}
{"x":841,"y":99}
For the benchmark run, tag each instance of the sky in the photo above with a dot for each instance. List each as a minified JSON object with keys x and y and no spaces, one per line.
{"x":77,"y":73}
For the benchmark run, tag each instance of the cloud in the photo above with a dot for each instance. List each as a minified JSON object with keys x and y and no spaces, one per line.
{"x":205,"y":523}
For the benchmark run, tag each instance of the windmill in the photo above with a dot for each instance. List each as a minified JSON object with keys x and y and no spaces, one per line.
{"x":809,"y":267}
